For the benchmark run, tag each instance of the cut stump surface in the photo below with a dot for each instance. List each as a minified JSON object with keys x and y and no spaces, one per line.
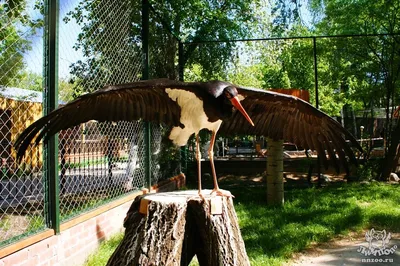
{"x":171,"y":228}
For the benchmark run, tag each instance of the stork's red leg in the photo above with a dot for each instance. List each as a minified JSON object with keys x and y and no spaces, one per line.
{"x":216,"y":189}
{"x":198,"y":158}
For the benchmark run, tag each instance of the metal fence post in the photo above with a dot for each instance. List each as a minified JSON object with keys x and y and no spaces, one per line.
{"x":50,"y":84}
{"x":315,"y":71}
{"x":316,"y":97}
{"x":145,"y":75}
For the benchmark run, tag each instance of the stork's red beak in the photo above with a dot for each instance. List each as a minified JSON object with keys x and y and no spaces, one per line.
{"x":236,"y":103}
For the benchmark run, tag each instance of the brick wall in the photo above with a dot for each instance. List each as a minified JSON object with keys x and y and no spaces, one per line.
{"x":74,"y":244}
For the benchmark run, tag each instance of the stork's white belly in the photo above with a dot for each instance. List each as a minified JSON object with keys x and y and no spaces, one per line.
{"x":193,"y":116}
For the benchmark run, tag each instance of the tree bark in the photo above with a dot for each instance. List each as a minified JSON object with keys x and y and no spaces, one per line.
{"x":171,"y":228}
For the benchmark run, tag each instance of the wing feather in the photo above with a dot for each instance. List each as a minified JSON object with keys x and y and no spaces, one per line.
{"x":293,"y":124}
{"x":276,"y":116}
{"x":290,"y":118}
{"x":145,"y":100}
{"x":302,"y":134}
{"x":309,"y":144}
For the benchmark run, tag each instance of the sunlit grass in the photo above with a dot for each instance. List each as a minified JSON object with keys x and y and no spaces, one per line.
{"x":272,"y":235}
{"x":312,"y":215}
{"x":104,"y":252}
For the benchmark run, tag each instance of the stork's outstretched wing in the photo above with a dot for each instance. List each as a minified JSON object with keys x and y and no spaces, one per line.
{"x":275,"y":115}
{"x":286,"y":117}
{"x":145,"y":100}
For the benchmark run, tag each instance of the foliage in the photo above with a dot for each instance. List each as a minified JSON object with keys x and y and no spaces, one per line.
{"x":286,"y":14}
{"x":369,"y":170}
{"x":28,"y":80}
{"x":36,"y":223}
{"x":103,"y":29}
{"x":189,"y":21}
{"x":369,"y":64}
{"x":5,"y":223}
{"x":66,"y":90}
{"x":16,"y":26}
{"x":248,"y":70}
{"x":168,"y":157}
{"x":368,"y":69}
{"x":12,"y":45}
{"x":357,"y":73}
{"x":34,"y":82}
{"x":248,"y":76}
{"x":209,"y":20}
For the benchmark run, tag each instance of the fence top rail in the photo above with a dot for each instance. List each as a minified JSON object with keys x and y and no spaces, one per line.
{"x":293,"y":38}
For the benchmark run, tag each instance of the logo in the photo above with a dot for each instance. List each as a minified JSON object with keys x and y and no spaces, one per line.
{"x":378,"y":244}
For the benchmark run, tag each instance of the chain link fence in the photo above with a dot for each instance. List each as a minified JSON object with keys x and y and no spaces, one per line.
{"x":21,"y":189}
{"x":99,"y":44}
{"x":163,"y":57}
{"x":98,"y":161}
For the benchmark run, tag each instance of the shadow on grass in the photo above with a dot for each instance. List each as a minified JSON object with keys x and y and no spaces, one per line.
{"x":273,"y":234}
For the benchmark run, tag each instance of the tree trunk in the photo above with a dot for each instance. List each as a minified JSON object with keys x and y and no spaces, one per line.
{"x":275,"y":172}
{"x":171,"y":228}
{"x":397,"y":160}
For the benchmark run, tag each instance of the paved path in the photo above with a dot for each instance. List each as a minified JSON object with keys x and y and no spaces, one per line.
{"x":344,"y":253}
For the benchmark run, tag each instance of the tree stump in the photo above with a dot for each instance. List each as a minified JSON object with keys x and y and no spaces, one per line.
{"x":171,"y":228}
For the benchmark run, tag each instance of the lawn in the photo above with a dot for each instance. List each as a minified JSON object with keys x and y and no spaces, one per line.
{"x":310,"y":215}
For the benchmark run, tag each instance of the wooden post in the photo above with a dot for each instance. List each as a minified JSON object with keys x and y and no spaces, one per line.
{"x":171,"y":228}
{"x":275,"y":191}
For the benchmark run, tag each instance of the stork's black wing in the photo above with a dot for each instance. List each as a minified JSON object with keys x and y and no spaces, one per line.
{"x":286,"y":117}
{"x":145,"y":100}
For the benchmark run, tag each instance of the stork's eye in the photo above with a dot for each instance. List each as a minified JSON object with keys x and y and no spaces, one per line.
{"x":228,"y":95}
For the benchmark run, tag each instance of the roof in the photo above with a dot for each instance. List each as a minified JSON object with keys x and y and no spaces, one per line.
{"x":22,"y":94}
{"x":299,"y":93}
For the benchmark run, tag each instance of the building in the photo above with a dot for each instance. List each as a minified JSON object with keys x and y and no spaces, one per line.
{"x":18,"y":109}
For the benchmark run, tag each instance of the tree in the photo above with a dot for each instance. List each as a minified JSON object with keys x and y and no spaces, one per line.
{"x":375,"y":61}
{"x":65,"y":90}
{"x":28,"y":80}
{"x":286,"y":14}
{"x":108,"y":42}
{"x":210,"y":20}
{"x":190,"y":21}
{"x":289,"y":63}
{"x":12,"y":45}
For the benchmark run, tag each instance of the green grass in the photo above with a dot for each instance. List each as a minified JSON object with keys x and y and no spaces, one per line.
{"x":5,"y":222}
{"x":36,"y":223}
{"x":273,"y":235}
{"x":87,"y":163}
{"x":105,"y":251}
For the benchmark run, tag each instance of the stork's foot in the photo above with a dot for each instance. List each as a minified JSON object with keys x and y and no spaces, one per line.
{"x":201,"y":196}
{"x":221,"y":192}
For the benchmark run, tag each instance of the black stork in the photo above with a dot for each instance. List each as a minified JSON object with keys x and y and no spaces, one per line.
{"x":189,"y":107}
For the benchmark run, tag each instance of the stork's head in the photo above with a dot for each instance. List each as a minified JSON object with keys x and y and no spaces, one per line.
{"x":231,"y":94}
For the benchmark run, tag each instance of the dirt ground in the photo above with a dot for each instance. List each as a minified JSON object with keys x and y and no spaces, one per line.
{"x":12,"y":225}
{"x":344,"y":251}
